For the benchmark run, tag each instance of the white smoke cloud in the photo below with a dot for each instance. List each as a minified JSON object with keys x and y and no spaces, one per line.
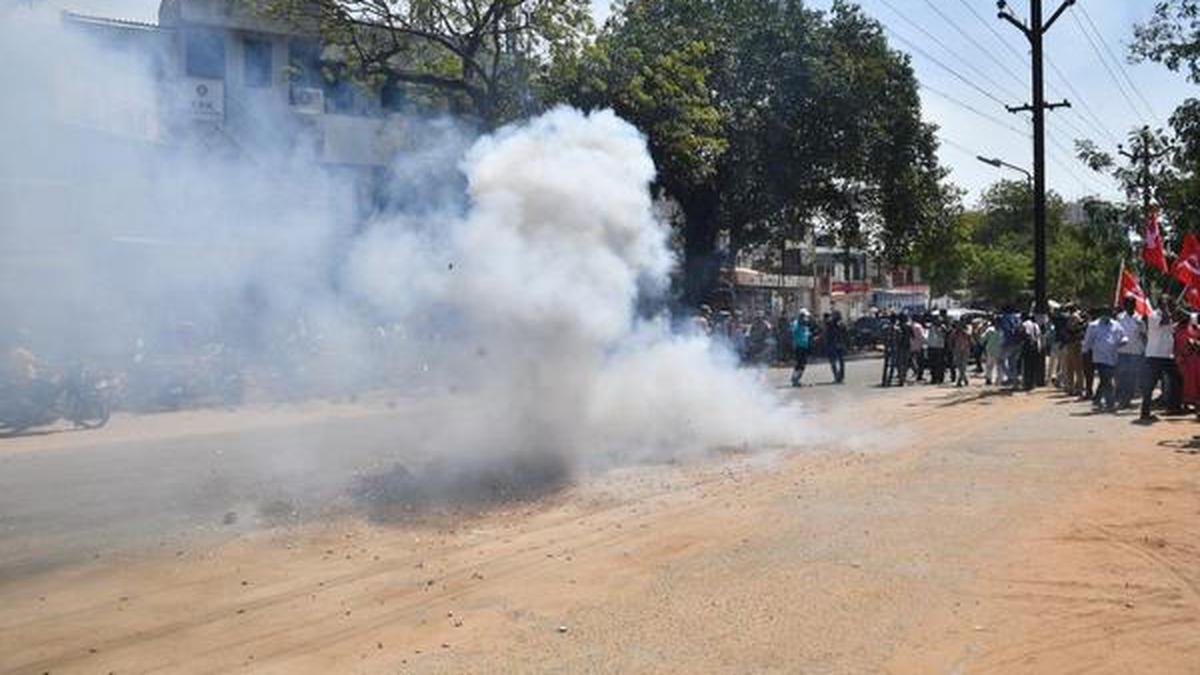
{"x":503,"y":269}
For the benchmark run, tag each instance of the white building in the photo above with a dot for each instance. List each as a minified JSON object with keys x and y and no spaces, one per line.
{"x":235,"y":80}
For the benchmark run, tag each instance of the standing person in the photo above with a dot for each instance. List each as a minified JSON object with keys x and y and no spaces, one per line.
{"x":1010,"y":326}
{"x":917,"y":348}
{"x":801,"y":339}
{"x":960,"y":348}
{"x":903,"y":350}
{"x":1072,"y":352}
{"x":889,"y":350}
{"x":1132,"y":354}
{"x":948,"y":351}
{"x":935,"y":346}
{"x":1031,"y":351}
{"x":1103,"y":340}
{"x":993,"y":351}
{"x":758,"y":343}
{"x":1160,"y":355}
{"x":979,"y":326}
{"x":835,"y":346}
{"x":1187,"y":357}
{"x":783,"y":338}
{"x":1058,"y":336}
{"x":1089,"y":368}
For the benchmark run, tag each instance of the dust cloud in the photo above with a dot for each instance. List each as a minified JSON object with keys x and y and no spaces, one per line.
{"x":499,"y":274}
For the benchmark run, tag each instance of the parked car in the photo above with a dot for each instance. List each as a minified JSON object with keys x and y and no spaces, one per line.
{"x":867,"y":332}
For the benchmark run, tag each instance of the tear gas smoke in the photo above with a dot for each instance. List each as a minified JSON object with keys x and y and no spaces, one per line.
{"x":504,"y":269}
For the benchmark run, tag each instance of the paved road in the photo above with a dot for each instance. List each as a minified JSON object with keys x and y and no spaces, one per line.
{"x":73,"y":495}
{"x":971,"y":531}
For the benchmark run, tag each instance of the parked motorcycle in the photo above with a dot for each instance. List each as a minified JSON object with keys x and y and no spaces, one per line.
{"x":80,"y":397}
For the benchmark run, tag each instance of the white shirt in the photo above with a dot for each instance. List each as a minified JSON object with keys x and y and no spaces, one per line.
{"x":1135,"y":330}
{"x":918,"y":335}
{"x":1033,"y":330}
{"x":935,"y":338}
{"x":1160,"y":338}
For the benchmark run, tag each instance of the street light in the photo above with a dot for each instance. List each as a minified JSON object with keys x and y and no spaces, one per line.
{"x":1001,"y":164}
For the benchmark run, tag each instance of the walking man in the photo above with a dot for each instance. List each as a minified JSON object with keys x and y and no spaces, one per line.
{"x":801,"y":339}
{"x":835,"y":346}
{"x":1103,"y":341}
{"x":1160,"y":357}
{"x":935,"y":344}
{"x":1131,"y":355}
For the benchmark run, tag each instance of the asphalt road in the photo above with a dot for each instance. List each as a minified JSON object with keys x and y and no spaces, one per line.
{"x":920,"y":531}
{"x":68,"y":495}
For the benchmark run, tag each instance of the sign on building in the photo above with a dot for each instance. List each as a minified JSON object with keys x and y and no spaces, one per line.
{"x":204,"y":98}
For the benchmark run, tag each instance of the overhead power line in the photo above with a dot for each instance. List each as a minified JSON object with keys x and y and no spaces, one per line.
{"x":1083,"y":107}
{"x":995,"y":33}
{"x":937,"y":62}
{"x":1120,"y":64}
{"x":971,"y":39}
{"x":936,"y":40}
{"x":1096,"y":130}
{"x":998,"y":121}
{"x":950,"y":142}
{"x":1108,"y":68}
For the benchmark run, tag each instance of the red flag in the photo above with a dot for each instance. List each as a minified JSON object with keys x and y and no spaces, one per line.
{"x":1187,"y":266}
{"x":1152,"y":247}
{"x":1191,"y":295}
{"x":1130,"y":288}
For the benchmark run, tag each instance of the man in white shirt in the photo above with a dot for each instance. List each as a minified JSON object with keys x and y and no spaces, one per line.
{"x":1131,"y":354}
{"x":1160,"y":353}
{"x":918,"y":349}
{"x":1103,"y":340}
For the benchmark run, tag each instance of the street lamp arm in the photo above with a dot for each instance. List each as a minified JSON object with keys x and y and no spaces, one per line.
{"x":1001,"y":164}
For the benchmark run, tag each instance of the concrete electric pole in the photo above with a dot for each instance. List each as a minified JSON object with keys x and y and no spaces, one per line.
{"x":1034,"y":32}
{"x":1143,"y":156}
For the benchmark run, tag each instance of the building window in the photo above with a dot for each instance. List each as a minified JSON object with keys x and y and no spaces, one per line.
{"x":339,"y":97}
{"x":257,"y":71}
{"x":205,"y":54}
{"x":304,"y":58}
{"x":393,"y":98}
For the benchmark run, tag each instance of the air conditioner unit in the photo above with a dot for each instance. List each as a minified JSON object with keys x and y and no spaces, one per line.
{"x":308,"y":100}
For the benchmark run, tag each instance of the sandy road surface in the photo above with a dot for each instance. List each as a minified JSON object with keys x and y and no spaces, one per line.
{"x":957,"y":533}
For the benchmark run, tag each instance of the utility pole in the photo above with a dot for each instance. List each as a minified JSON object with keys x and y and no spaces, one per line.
{"x":1034,"y":32}
{"x":1144,"y":157}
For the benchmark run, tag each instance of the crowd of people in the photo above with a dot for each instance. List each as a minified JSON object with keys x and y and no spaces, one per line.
{"x":1115,"y":358}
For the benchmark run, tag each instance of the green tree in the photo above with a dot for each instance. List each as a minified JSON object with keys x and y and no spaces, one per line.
{"x":993,"y":247}
{"x":479,"y":57}
{"x":765,"y":117}
{"x":1171,"y":37}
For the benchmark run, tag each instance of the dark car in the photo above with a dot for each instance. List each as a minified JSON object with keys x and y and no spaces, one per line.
{"x":867,"y":332}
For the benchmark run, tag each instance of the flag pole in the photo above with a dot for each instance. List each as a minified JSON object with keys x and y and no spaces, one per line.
{"x":1120,"y":278}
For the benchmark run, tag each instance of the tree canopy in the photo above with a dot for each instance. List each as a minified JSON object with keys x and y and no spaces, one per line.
{"x":477,"y":57}
{"x":988,"y":251}
{"x":766,"y":118}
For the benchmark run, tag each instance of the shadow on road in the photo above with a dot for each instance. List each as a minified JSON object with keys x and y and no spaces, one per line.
{"x":1190,"y":446}
{"x":32,"y":433}
{"x":982,"y":398}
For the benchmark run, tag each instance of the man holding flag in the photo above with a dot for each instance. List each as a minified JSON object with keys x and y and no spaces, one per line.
{"x":1153,"y":253}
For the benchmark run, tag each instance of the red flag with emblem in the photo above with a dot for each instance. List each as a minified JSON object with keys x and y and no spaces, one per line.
{"x":1186,"y":269}
{"x":1191,"y":295}
{"x":1152,"y":246}
{"x":1130,"y":288}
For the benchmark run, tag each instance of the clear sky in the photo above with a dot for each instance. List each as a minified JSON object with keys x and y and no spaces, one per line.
{"x":958,"y":34}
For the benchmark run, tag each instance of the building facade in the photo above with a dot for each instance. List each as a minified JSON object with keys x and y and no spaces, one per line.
{"x":237,"y":81}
